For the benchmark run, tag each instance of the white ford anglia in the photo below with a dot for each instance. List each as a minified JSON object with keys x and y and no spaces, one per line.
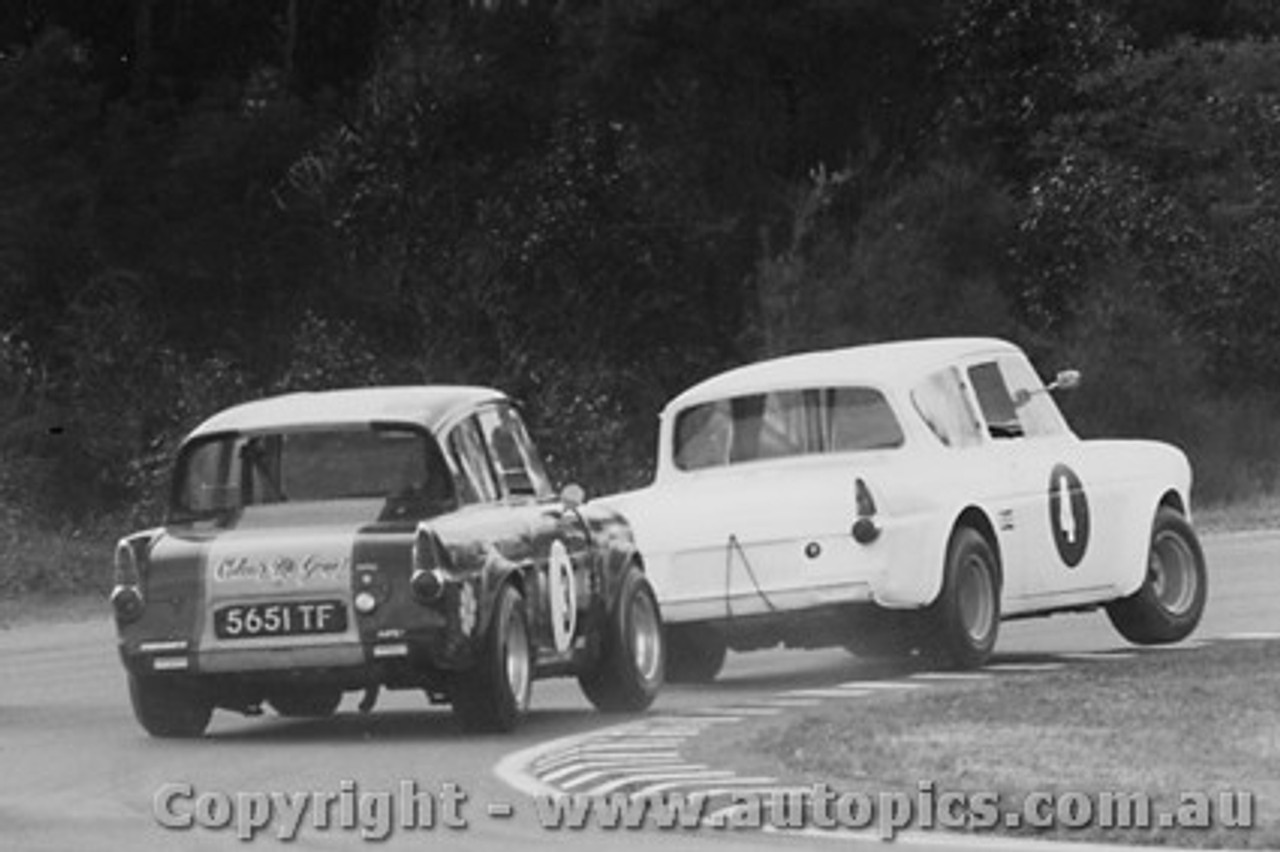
{"x":903,"y":499}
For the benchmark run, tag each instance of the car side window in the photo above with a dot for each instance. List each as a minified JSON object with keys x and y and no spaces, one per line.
{"x":703,"y":436}
{"x":534,"y":468}
{"x":210,"y":477}
{"x":1037,"y":411}
{"x":518,"y":467}
{"x":942,"y":404}
{"x":995,"y":401}
{"x":861,"y":419}
{"x":783,"y":428}
{"x":475,"y":479}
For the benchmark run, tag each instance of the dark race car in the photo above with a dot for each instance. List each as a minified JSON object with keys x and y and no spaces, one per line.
{"x":404,"y":537}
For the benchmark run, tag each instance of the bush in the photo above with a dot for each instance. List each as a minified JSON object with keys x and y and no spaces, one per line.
{"x":1145,"y":378}
{"x":57,"y":562}
{"x":931,"y":258}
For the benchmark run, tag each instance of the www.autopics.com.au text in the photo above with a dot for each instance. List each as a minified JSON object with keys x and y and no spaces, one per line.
{"x":376,"y":814}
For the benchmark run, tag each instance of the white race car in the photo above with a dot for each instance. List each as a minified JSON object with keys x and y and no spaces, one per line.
{"x":903,"y":498}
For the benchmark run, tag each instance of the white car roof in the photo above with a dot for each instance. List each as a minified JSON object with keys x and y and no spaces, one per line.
{"x":426,"y":405}
{"x":897,"y":364}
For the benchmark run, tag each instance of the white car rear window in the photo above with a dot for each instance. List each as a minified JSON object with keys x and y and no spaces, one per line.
{"x":785,"y":423}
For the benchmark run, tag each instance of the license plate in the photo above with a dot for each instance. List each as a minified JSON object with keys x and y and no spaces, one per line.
{"x":295,"y":618}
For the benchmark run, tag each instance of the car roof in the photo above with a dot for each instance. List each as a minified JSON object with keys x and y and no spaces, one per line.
{"x":431,"y":406}
{"x":896,"y":364}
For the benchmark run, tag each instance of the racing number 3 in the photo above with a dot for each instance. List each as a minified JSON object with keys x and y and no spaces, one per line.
{"x":563,"y":596}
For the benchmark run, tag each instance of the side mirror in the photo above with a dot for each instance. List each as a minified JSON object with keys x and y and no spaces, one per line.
{"x":572,"y":495}
{"x":1065,"y":380}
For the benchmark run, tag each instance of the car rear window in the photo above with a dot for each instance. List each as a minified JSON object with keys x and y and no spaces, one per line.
{"x":226,"y":473}
{"x":784,"y":423}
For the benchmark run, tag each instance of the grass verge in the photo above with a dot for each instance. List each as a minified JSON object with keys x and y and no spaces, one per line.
{"x":1160,"y":726}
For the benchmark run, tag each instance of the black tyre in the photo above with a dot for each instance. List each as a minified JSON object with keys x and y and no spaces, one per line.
{"x":494,"y":696}
{"x":965,"y":619}
{"x":306,"y":702}
{"x":169,"y":709}
{"x":1171,"y":599}
{"x":695,"y":653}
{"x":629,"y":672}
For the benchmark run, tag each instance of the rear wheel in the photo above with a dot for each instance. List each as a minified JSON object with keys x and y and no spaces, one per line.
{"x":1171,"y":599}
{"x":169,"y":709}
{"x":306,"y":702}
{"x":965,"y":619}
{"x":494,"y":696}
{"x":629,"y":672}
{"x":695,"y":653}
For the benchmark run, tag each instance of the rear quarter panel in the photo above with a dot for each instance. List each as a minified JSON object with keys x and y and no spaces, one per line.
{"x":683,"y":527}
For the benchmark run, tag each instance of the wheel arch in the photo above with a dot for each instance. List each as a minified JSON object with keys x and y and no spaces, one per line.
{"x":1172,"y":499}
{"x":976,"y":519}
{"x":615,"y":551}
{"x":1135,"y":572}
{"x":519,"y":576}
{"x":616,"y":562}
{"x":489,"y":586}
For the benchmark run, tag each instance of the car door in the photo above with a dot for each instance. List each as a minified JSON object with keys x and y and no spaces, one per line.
{"x":1054,"y":505}
{"x":559,"y":543}
{"x":778,"y":505}
{"x":1008,"y":481}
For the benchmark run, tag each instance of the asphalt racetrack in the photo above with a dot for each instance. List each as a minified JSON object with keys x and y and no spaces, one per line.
{"x":78,"y":773}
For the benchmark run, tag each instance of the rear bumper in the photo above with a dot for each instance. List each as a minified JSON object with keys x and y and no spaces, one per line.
{"x":391,"y":657}
{"x":275,"y":659}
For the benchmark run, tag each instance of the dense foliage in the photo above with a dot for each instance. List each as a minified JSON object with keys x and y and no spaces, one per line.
{"x":593,"y":204}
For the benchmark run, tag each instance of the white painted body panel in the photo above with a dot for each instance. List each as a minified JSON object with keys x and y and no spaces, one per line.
{"x":772,"y":537}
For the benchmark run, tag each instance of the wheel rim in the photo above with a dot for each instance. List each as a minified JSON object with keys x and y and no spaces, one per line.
{"x":517,"y":661}
{"x":1171,"y":572}
{"x":976,"y":600}
{"x":646,"y":638}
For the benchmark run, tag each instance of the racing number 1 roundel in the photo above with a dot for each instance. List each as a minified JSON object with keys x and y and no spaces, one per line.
{"x":1068,"y":514}
{"x":563,"y":594}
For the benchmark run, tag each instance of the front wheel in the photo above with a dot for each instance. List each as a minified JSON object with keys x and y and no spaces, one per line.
{"x":1168,"y":605}
{"x":169,"y":709}
{"x":965,"y":619}
{"x":494,"y":696}
{"x":628,"y":673}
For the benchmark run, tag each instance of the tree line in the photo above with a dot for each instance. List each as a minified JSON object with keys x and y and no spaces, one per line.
{"x":593,"y":204}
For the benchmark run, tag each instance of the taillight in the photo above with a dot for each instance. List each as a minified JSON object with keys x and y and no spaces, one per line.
{"x":428,"y":578}
{"x":126,"y":565}
{"x":126,"y":595}
{"x":864,"y":529}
